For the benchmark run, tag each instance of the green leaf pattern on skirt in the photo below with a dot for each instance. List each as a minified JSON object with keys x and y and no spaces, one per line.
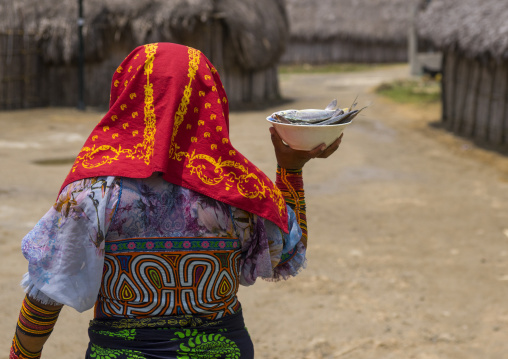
{"x":206,"y":346}
{"x":98,"y":352}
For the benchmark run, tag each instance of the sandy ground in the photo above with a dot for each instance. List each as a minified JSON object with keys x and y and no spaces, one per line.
{"x":408,"y":254}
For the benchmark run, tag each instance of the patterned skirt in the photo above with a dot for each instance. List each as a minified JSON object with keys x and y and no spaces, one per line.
{"x":172,"y":337}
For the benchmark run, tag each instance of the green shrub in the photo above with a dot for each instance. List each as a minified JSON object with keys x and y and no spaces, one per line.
{"x":422,"y":90}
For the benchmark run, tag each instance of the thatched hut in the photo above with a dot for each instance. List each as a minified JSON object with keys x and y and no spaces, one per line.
{"x":369,"y":31}
{"x":244,"y":39}
{"x":473,"y":36}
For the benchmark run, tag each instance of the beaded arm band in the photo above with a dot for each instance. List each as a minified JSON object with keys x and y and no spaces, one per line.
{"x":19,"y":352}
{"x":33,"y":321}
{"x":290,"y":183}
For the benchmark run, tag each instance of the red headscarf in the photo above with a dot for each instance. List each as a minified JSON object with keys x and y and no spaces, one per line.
{"x":168,"y":113}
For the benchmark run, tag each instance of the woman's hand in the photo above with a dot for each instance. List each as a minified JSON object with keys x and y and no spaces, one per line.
{"x":289,"y":158}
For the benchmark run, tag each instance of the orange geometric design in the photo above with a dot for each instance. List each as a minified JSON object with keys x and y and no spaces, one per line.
{"x":119,"y":69}
{"x":168,"y":283}
{"x":207,"y":134}
{"x":224,"y":287}
{"x":95,"y":137}
{"x":132,"y":95}
{"x":201,"y":123}
{"x":134,"y":133}
{"x":218,"y":128}
{"x":130,"y":69}
{"x":201,"y":93}
{"x":105,"y":128}
{"x":115,"y":135}
{"x":225,"y":140}
{"x":126,"y":292}
{"x":208,"y":105}
{"x":213,"y":146}
{"x":208,"y":77}
{"x":134,"y":114}
{"x":213,"y":116}
{"x":155,"y":278}
{"x":114,"y":118}
{"x":172,"y":258}
{"x":123,"y":107}
{"x":125,"y":125}
{"x":116,"y":83}
{"x":189,"y":126}
{"x":196,"y":110}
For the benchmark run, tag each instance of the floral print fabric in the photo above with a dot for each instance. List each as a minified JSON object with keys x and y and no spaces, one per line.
{"x":66,"y":248}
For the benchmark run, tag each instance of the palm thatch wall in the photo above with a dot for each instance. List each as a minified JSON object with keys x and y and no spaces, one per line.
{"x":244,"y":39}
{"x":473,"y":36}
{"x":348,"y":30}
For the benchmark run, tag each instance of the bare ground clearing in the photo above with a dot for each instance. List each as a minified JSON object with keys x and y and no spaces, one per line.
{"x":408,"y":253}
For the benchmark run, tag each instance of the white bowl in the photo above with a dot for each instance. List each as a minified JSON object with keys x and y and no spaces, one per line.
{"x":307,"y":137}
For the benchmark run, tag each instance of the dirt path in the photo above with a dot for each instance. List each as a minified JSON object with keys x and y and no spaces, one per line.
{"x":408,"y":253}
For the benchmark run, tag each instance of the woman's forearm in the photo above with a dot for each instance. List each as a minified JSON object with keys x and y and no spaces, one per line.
{"x":290,"y":183}
{"x":35,"y":324}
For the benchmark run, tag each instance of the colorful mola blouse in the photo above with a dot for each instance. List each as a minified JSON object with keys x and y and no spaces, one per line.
{"x":145,"y":247}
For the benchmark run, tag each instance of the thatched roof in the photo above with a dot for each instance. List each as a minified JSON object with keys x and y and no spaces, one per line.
{"x":366,"y":20}
{"x":258,"y":29}
{"x":474,"y":27}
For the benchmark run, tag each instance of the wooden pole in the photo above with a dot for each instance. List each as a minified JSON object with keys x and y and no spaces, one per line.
{"x":497,"y":105}
{"x":415,"y":68}
{"x":81,"y":58}
{"x":471,"y":103}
